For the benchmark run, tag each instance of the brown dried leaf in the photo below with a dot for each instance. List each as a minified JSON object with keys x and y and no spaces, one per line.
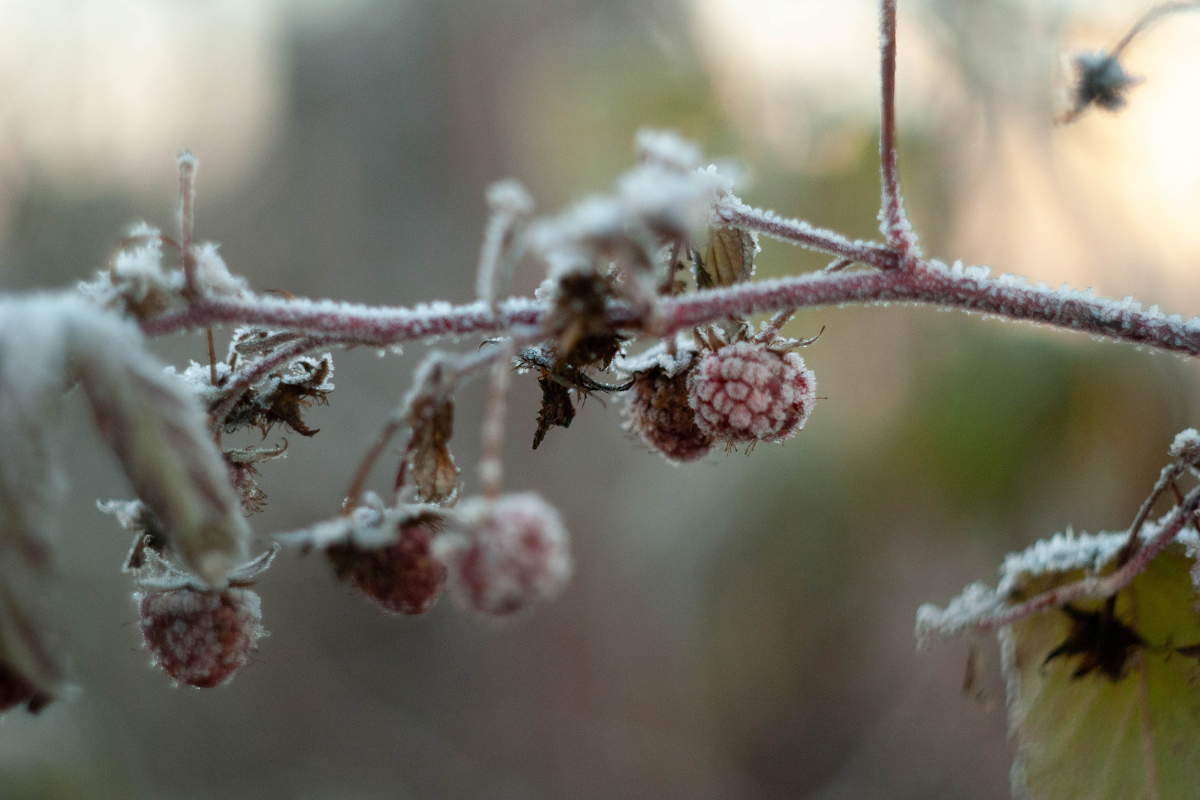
{"x":307,"y":382}
{"x":728,"y":257}
{"x":431,"y":463}
{"x":557,"y":409}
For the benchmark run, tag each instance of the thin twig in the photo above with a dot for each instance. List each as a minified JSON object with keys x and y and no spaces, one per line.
{"x":893,"y":222}
{"x":731,"y":211}
{"x":187,"y":200}
{"x":1096,"y":588}
{"x":929,"y":283}
{"x":212,"y":358}
{"x":1165,"y":480}
{"x":1152,"y":15}
{"x":774,"y":326}
{"x":456,"y":368}
{"x":491,"y":464}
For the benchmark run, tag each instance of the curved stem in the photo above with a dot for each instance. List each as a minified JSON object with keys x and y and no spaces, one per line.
{"x":1109,"y":585}
{"x":928,"y":283}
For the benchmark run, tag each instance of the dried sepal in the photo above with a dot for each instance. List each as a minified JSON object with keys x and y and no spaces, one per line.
{"x":556,"y":409}
{"x":137,"y":518}
{"x":243,"y":473}
{"x":558,"y":379}
{"x":280,"y":400}
{"x":728,"y":257}
{"x":306,"y":381}
{"x":429,"y":411}
{"x":578,"y":321}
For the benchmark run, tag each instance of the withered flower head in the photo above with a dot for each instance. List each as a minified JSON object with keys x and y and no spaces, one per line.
{"x":431,"y":417}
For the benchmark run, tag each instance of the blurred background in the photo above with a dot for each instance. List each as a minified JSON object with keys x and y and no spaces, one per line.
{"x":737,"y":628}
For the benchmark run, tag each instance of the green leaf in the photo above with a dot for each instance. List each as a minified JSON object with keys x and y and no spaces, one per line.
{"x":1106,"y":717}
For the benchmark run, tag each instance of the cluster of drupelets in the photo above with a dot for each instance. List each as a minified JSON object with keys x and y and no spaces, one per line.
{"x":498,"y":553}
{"x":666,"y":257}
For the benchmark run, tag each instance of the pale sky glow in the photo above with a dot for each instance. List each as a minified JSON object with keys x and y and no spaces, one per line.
{"x":109,"y":90}
{"x":1079,"y":203}
{"x":790,"y":68}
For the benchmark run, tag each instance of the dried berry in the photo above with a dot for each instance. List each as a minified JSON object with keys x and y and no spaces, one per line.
{"x":746,"y":392}
{"x":201,"y":638}
{"x":402,"y":578}
{"x":512,"y":553}
{"x":658,"y":411}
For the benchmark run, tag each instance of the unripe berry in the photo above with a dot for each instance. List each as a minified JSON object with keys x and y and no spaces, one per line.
{"x":745,"y":392}
{"x":402,"y":578}
{"x":512,"y":553}
{"x":658,"y":411}
{"x":201,"y":638}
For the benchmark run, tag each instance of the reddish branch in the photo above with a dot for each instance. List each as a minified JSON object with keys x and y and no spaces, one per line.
{"x":891,"y":212}
{"x":928,"y":283}
{"x":1098,"y":588}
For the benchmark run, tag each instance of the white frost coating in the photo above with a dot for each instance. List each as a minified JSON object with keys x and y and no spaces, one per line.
{"x":657,"y":356}
{"x":668,"y":149}
{"x":198,"y":378}
{"x":371,"y":526}
{"x":509,"y":197}
{"x":664,"y":198}
{"x":136,"y":279}
{"x":214,"y":277}
{"x":976,"y":602}
{"x":768,"y":223}
{"x":1186,"y":445}
{"x":1063,"y":552}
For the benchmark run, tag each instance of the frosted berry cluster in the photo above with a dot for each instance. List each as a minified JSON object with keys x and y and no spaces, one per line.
{"x":403,"y":578}
{"x":658,"y":411}
{"x":511,"y":552}
{"x":201,"y":638}
{"x":746,"y":392}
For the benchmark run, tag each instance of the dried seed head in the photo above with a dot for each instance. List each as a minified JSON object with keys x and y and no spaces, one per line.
{"x":402,"y":578}
{"x":1102,"y":81}
{"x":658,"y":411}
{"x":512,"y":553}
{"x":746,"y":392}
{"x":201,"y":638}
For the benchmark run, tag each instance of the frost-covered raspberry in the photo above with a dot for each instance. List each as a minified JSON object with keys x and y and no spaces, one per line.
{"x":745,"y":392}
{"x":658,"y":411}
{"x":201,"y":638}
{"x":402,"y":578}
{"x":512,"y":553}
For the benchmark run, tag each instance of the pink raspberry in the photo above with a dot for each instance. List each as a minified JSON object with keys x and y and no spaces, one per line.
{"x":658,"y":410}
{"x":201,"y":638}
{"x":512,"y":553}
{"x":403,"y":578}
{"x":747,"y":393}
